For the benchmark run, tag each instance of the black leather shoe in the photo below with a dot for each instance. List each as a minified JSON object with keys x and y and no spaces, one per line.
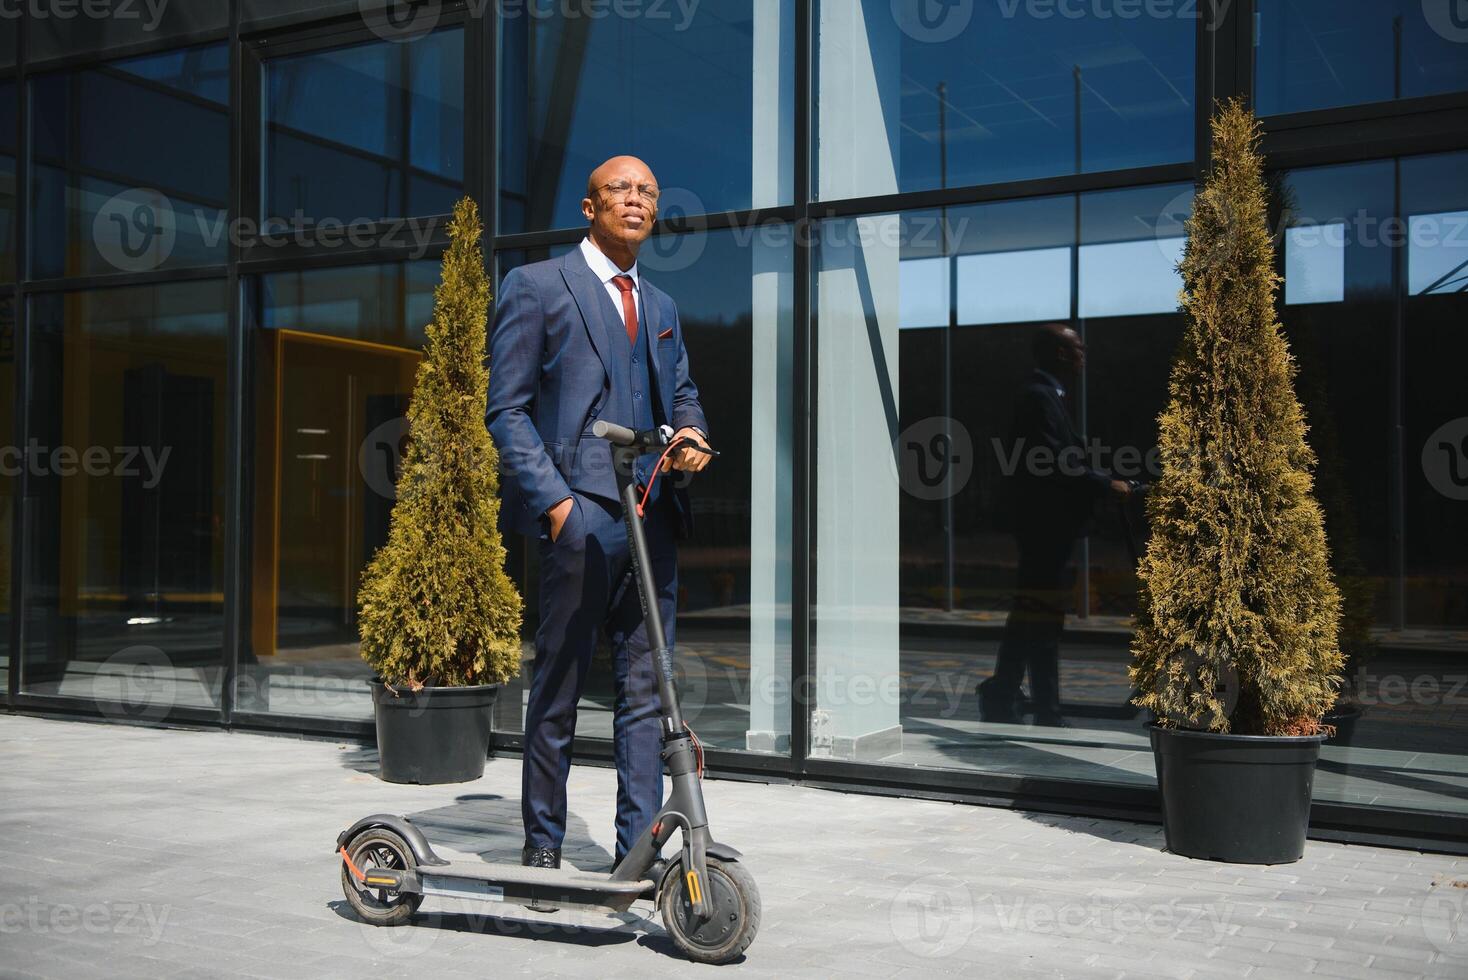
{"x":541,"y":857}
{"x":1051,"y":719}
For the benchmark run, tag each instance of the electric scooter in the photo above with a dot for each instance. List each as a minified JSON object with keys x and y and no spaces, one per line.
{"x":708,"y":899}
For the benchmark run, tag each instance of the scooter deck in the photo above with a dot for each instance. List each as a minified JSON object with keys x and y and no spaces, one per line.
{"x":515,"y":874}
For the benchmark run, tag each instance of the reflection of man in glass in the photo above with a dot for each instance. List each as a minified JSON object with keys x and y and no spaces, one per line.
{"x":1052,"y":494}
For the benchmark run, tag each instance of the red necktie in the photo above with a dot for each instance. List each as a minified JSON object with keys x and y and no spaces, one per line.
{"x":629,"y":306}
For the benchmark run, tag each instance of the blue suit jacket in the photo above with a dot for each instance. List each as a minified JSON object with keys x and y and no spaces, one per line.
{"x":549,"y":380}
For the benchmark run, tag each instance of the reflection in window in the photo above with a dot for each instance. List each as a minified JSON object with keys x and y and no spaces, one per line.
{"x":128,"y":476}
{"x":922,"y":290}
{"x":1013,"y":260}
{"x":384,"y":304}
{"x":1315,"y":263}
{"x":366,"y":132}
{"x":1127,"y":278}
{"x":705,"y":96}
{"x":1318,"y":54}
{"x":115,"y":188}
{"x":1014,"y":287}
{"x":334,"y":360}
{"x":1435,"y":203}
{"x":1437,"y":252}
{"x":994,"y":93}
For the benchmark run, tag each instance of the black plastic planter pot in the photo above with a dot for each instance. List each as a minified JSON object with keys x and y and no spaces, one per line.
{"x":1238,"y":798}
{"x":437,"y":735}
{"x":1344,"y":721}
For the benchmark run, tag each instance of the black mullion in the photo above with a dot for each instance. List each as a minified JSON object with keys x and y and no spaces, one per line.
{"x":236,"y":352}
{"x":486,"y":125}
{"x":251,"y":192}
{"x":294,"y":259}
{"x":802,"y":491}
{"x":473,"y":169}
{"x":1055,"y":186}
{"x":20,"y":397}
{"x":1396,"y":484}
{"x":69,"y":284}
{"x":339,"y":33}
{"x":1370,"y":138}
{"x":1403,"y":109}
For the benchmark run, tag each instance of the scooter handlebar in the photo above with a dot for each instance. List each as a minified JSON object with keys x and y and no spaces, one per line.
{"x":620,"y":435}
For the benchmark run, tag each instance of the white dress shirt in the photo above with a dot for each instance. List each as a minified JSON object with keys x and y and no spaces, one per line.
{"x":605,"y":270}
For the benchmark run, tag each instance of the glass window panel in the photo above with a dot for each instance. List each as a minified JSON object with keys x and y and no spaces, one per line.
{"x":1319,"y":54}
{"x":1131,"y":243}
{"x":703,"y":95}
{"x":127,"y":463}
{"x":114,"y":189}
{"x":923,"y":292}
{"x":1437,"y":252}
{"x":1434,"y":201}
{"x":334,"y":361}
{"x":365,"y":132}
{"x":734,"y":292}
{"x":1014,"y":287}
{"x":1120,"y":278}
{"x":915,"y":96}
{"x":1315,"y":263}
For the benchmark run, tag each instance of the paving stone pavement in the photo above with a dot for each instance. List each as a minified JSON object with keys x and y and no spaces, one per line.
{"x":143,"y":852}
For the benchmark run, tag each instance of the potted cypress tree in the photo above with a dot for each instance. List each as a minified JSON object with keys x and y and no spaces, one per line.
{"x":1236,"y":650}
{"x":439,"y":618}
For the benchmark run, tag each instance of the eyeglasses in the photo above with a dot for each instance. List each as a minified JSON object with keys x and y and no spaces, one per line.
{"x":647,"y":192}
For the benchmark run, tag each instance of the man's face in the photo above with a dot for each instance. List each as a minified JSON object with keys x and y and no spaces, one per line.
{"x":623,"y":202}
{"x":1072,"y":352}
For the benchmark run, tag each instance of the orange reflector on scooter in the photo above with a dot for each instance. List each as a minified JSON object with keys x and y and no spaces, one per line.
{"x":695,"y":894}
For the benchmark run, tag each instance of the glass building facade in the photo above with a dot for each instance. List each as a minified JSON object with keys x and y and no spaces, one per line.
{"x":219,"y":237}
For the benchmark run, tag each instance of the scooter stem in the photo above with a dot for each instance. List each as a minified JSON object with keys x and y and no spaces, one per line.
{"x":647,"y":591}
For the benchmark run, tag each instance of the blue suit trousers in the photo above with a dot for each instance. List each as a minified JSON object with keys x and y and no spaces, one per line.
{"x":586,"y":587}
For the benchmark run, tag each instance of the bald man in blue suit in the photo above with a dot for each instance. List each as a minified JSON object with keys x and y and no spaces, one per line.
{"x":577,"y":339}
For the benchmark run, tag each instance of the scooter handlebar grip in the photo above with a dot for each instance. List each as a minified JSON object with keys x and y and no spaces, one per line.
{"x":617,"y":434}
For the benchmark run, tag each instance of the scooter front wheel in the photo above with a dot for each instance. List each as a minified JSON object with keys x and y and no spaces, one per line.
{"x":733,"y":903}
{"x":378,"y":847}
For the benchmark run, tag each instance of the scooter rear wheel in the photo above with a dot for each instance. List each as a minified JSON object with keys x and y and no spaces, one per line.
{"x":724,"y":934}
{"x":377,"y":847}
